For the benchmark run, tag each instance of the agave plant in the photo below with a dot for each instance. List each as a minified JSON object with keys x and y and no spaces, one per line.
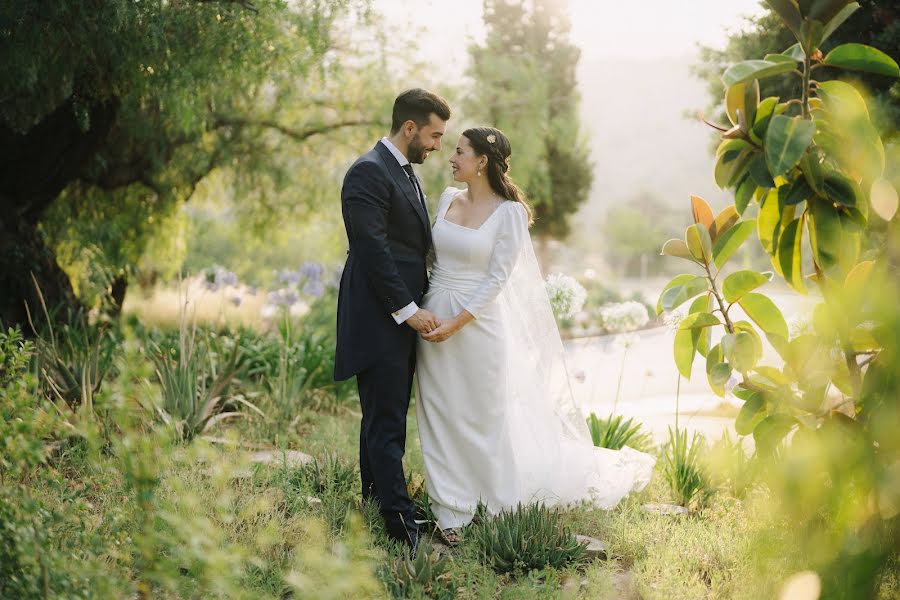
{"x":426,"y":572}
{"x":73,"y":360}
{"x":529,"y":537}
{"x":615,"y":432}
{"x":193,"y":383}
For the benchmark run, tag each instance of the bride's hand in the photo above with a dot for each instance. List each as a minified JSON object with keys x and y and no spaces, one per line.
{"x":446,"y":329}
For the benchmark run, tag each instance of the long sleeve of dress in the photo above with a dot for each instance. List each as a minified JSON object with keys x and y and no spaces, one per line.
{"x":508,"y":246}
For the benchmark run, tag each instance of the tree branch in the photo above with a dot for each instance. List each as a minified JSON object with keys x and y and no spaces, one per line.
{"x":243,"y":3}
{"x":299,"y":135}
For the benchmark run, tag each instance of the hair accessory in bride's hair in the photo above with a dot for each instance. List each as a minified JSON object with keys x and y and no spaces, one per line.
{"x":491,"y":138}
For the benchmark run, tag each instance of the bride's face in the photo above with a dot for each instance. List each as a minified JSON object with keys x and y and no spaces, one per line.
{"x":465,"y":162}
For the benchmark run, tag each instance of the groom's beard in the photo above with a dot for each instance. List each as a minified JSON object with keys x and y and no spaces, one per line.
{"x":416,"y":151}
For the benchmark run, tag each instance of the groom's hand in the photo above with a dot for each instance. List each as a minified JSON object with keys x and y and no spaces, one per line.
{"x":423,"y":321}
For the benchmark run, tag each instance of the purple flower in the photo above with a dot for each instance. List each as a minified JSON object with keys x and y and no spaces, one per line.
{"x":313,"y":271}
{"x":290,"y":277}
{"x":314,"y":288}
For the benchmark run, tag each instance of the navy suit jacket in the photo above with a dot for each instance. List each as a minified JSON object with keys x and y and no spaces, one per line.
{"x":389,"y":235}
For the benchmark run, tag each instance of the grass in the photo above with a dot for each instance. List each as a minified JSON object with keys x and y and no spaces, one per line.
{"x":258,"y":529}
{"x":141,"y":515}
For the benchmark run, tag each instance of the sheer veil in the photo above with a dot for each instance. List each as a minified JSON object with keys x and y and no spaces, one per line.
{"x":556,"y":460}
{"x":537,"y":358}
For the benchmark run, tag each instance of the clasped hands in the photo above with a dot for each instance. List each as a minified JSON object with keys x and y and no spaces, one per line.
{"x":431,"y":328}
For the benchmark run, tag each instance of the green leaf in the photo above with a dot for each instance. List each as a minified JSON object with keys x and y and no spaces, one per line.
{"x":731,"y":240}
{"x":740,"y":350}
{"x":755,"y":69}
{"x":752,"y":412}
{"x":765,"y":314}
{"x":699,"y":320}
{"x":799,"y":191}
{"x":740,"y":283}
{"x":769,"y":221}
{"x":812,"y":171}
{"x":747,"y":327}
{"x":702,"y":304}
{"x":731,"y":165}
{"x":719,"y":374}
{"x":687,"y":338}
{"x":790,"y":254}
{"x":839,"y":19}
{"x":675,"y":296}
{"x":678,"y":249}
{"x":789,"y":13}
{"x":676,"y":281}
{"x":699,"y":242}
{"x":825,"y":10}
{"x":763,"y":116}
{"x":771,"y":430}
{"x":684,"y":348}
{"x":744,"y":193}
{"x":796,"y":52}
{"x":714,"y":358}
{"x":786,"y":140}
{"x":825,"y":233}
{"x":724,"y":221}
{"x":742,"y":97}
{"x":841,"y":189}
{"x":859,"y":57}
{"x":759,"y":171}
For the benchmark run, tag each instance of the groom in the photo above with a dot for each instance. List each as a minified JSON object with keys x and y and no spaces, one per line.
{"x":378,"y":318}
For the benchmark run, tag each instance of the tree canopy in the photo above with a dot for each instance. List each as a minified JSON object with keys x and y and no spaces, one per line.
{"x":525,"y":84}
{"x":112,"y":113}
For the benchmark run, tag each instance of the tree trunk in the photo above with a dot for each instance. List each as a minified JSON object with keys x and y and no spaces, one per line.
{"x":24,"y":261}
{"x":35,"y":167}
{"x":117,"y":292}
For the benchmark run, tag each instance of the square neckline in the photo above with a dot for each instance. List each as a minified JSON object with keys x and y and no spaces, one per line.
{"x":483,"y":223}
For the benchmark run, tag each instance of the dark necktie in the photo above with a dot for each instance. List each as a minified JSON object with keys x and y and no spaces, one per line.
{"x":415,"y":183}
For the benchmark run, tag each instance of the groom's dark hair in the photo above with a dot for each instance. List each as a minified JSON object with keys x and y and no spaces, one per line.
{"x":417,"y":105}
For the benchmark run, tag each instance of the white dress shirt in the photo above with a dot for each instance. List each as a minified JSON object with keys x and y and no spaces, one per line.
{"x":412,"y":308}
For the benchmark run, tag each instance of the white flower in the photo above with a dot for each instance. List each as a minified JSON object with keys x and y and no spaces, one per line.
{"x":626,"y":340}
{"x":268,"y":311}
{"x":566,"y":295}
{"x":624,"y":316}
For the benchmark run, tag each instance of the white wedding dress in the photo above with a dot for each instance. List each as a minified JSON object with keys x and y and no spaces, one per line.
{"x":497,"y":421}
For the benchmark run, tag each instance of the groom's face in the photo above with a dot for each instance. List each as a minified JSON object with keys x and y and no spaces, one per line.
{"x":425,"y":139}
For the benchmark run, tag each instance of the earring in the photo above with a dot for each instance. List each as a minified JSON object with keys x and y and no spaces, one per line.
{"x":479,"y":172}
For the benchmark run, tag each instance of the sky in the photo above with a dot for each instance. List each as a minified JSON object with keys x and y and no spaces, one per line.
{"x":603,"y":29}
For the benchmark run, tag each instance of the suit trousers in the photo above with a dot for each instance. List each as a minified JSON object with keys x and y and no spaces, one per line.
{"x":384,"y":391}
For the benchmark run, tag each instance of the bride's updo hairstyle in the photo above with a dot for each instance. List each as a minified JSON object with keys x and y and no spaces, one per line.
{"x":492,"y":143}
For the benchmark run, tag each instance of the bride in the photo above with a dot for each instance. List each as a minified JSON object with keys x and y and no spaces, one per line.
{"x":497,"y":421}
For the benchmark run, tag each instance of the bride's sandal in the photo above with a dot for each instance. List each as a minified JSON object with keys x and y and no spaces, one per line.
{"x":449,"y":536}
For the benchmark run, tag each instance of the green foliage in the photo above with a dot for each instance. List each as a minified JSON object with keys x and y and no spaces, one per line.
{"x":683,"y":469}
{"x":526,"y":538}
{"x":25,"y":417}
{"x":152,"y":103}
{"x":73,"y":360}
{"x":615,"y":431}
{"x":193,"y":382}
{"x":425,"y":574}
{"x":525,"y":72}
{"x":813,"y":164}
